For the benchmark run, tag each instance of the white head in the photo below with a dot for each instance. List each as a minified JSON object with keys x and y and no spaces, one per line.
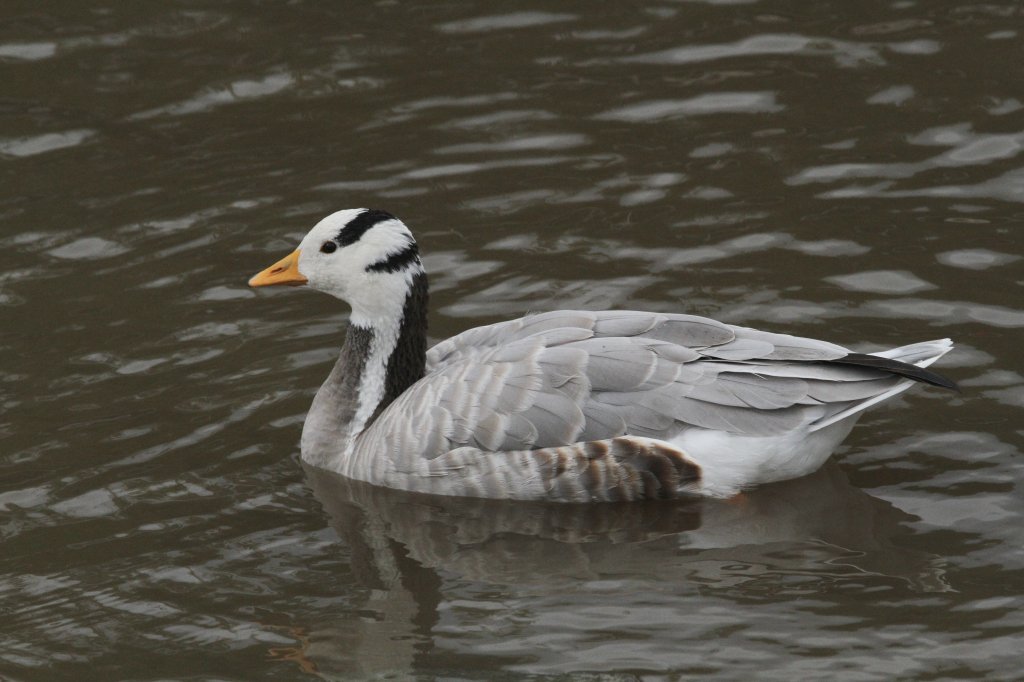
{"x":365,"y":257}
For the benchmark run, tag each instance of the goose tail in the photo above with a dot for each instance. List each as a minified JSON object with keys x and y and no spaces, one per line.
{"x":906,"y":361}
{"x":921,"y":354}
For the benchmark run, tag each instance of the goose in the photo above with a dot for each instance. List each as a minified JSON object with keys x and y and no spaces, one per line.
{"x":570,"y":405}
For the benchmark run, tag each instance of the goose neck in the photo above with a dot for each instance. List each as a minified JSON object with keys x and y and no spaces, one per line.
{"x":381,"y":358}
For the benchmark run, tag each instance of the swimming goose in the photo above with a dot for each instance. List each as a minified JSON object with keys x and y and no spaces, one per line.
{"x":567,"y":406}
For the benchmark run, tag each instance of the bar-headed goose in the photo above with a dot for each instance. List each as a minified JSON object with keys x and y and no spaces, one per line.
{"x":569,"y":406}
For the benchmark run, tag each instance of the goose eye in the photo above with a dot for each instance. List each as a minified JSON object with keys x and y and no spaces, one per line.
{"x":328,"y":247}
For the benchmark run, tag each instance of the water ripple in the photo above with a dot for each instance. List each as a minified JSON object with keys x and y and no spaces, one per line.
{"x":47,"y":142}
{"x":846,"y":53}
{"x":702,"y":105}
{"x":497,"y":22}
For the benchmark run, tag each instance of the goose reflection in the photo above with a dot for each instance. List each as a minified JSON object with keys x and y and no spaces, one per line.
{"x":820,"y":519}
{"x":410,"y":549}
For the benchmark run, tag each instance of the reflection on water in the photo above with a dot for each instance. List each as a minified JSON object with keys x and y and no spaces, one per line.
{"x":819,"y":528}
{"x":558,"y":544}
{"x":845,"y":171}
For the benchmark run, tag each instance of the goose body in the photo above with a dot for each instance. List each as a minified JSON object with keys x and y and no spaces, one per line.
{"x":568,"y":406}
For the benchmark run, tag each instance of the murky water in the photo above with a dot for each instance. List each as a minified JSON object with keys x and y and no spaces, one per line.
{"x":849,"y":171}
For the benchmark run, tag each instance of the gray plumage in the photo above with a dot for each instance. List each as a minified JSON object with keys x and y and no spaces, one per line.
{"x":548,"y":382}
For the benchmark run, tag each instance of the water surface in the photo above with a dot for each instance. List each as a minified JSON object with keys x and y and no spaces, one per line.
{"x":849,"y":171}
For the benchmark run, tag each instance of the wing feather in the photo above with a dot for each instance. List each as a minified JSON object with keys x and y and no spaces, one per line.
{"x":740,"y":349}
{"x":692,"y":332}
{"x":786,"y":347}
{"x":555,"y":416}
{"x":551,"y":379}
{"x":749,"y":390}
{"x":626,"y":323}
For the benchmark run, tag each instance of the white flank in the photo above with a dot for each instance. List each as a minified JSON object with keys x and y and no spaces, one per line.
{"x":731,"y":463}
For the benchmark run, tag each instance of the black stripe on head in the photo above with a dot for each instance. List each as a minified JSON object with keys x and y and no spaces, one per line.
{"x":358,"y":226}
{"x":399,"y":260}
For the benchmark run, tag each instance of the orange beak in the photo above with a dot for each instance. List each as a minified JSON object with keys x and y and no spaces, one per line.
{"x":284,"y":271}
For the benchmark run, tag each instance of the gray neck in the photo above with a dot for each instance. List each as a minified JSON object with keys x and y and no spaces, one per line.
{"x":376,"y":365}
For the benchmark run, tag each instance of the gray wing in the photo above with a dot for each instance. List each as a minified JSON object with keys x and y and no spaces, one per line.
{"x":559,"y":378}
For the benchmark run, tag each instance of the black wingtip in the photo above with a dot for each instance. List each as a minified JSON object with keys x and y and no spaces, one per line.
{"x":902,"y":369}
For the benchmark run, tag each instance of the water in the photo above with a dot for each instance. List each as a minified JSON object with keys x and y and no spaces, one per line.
{"x":849,"y":171}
